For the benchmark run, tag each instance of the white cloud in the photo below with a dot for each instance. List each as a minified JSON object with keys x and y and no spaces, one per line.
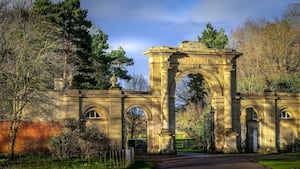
{"x":134,"y":48}
{"x":130,"y":44}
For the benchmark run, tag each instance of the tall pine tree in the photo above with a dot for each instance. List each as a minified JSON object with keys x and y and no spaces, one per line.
{"x":87,"y":60}
{"x":213,"y":38}
{"x":74,"y":30}
{"x":108,"y":62}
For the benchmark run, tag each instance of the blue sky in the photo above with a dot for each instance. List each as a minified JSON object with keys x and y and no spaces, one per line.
{"x":137,"y":25}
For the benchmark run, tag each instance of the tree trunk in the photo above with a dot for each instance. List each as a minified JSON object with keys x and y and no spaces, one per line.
{"x":14,"y":127}
{"x":13,"y":136}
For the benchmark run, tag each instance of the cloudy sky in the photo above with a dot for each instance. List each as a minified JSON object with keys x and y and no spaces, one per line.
{"x":136,"y":25}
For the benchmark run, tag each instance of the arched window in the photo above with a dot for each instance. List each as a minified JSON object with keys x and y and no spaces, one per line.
{"x":285,"y":115}
{"x":93,"y":114}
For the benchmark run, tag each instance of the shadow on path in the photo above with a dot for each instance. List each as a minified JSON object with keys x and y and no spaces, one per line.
{"x":208,"y":161}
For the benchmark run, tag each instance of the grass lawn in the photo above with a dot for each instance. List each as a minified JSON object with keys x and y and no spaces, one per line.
{"x":39,"y":162}
{"x":189,"y":150}
{"x":73,"y":164}
{"x":44,"y":162}
{"x":281,"y":163}
{"x":65,"y":164}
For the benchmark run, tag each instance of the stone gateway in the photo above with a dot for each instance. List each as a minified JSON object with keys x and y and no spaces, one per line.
{"x":261,"y":122}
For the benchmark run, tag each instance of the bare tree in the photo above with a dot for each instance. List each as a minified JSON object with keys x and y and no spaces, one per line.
{"x":292,"y":13}
{"x":270,"y":52}
{"x":136,"y":83}
{"x":135,"y":118}
{"x":26,"y":54}
{"x":135,"y":122}
{"x":182,"y":92}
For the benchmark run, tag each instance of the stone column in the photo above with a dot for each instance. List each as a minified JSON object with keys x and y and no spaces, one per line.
{"x":166,"y":135}
{"x":229,"y":134}
{"x":227,"y":99}
{"x":159,"y":67}
{"x":217,"y":104}
{"x":165,"y":93}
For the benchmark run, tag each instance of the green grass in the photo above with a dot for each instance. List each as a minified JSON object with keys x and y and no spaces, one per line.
{"x":293,"y":154}
{"x":74,"y":164}
{"x":281,"y":163}
{"x":189,"y":150}
{"x":48,"y":163}
{"x":37,"y":162}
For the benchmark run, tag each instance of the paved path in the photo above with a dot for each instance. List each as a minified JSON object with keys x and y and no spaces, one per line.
{"x":206,"y":161}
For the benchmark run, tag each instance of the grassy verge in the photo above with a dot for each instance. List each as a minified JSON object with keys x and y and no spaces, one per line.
{"x":40,"y":162}
{"x":293,"y":154}
{"x":281,"y":163}
{"x":189,"y":150}
{"x":37,"y":162}
{"x":59,"y":164}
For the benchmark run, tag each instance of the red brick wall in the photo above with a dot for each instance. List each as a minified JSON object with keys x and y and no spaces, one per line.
{"x":32,"y":137}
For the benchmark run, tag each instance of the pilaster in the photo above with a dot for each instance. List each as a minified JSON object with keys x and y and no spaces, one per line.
{"x":164,"y":86}
{"x":227,"y":99}
{"x":116,"y":118}
{"x":167,"y":139}
{"x":268,"y":124}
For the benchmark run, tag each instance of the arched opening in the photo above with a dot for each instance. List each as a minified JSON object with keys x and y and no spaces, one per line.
{"x":168,"y":65}
{"x":252,"y":131}
{"x":93,"y":114}
{"x":96,"y":117}
{"x":286,"y":130}
{"x":194,"y":116}
{"x":135,"y":121}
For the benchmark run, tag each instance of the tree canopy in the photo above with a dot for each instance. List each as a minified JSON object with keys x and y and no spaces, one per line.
{"x":28,"y":59}
{"x":213,"y":38}
{"x":87,"y":60}
{"x":45,"y":40}
{"x":270,"y":52}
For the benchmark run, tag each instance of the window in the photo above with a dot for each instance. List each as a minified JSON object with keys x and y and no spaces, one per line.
{"x":285,"y":115}
{"x":92,"y":115}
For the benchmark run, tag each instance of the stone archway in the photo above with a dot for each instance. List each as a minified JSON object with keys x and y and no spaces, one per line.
{"x":250,"y":128}
{"x":135,"y":128}
{"x":167,"y":65}
{"x":286,"y":128}
{"x":96,"y":116}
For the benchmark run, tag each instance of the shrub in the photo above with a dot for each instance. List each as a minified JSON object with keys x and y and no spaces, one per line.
{"x":75,"y":141}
